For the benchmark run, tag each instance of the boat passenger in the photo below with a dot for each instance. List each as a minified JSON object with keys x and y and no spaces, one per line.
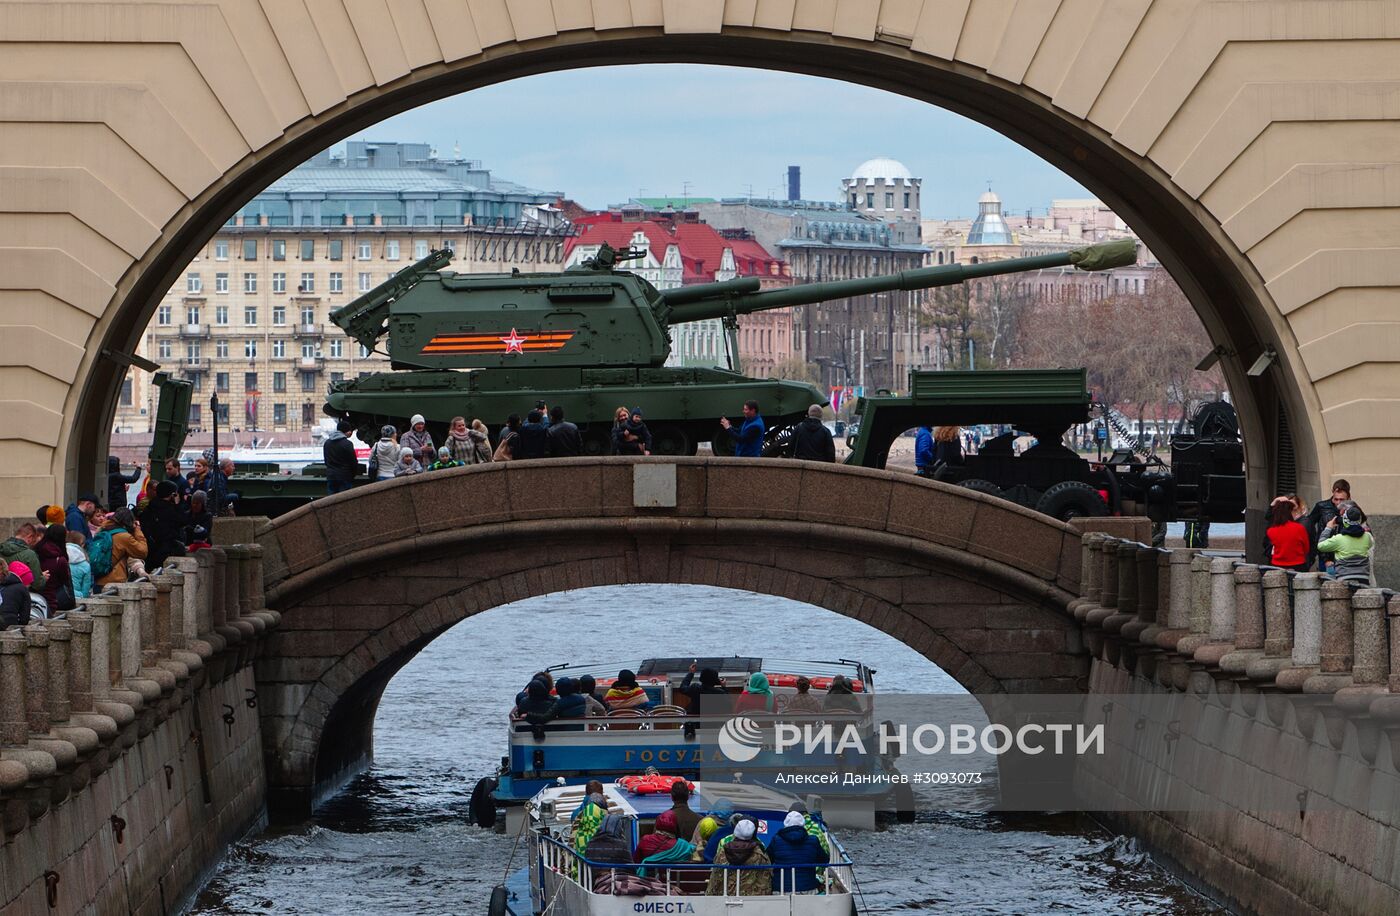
{"x":711,"y":684}
{"x":538,"y":707}
{"x":742,"y":849}
{"x":588,"y":818}
{"x":803,"y":702}
{"x":814,"y":828}
{"x":625,"y":694}
{"x":724,"y":832}
{"x":611,"y":843}
{"x":757,"y":696}
{"x":569,"y":705}
{"x":593,"y":787}
{"x":840,"y":697}
{"x":686,"y":820}
{"x":793,"y":846}
{"x":717,"y":817}
{"x":588,"y":689}
{"x":663,"y":844}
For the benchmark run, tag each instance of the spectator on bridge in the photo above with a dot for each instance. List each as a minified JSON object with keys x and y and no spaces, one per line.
{"x":545,"y":417}
{"x":78,"y":518}
{"x":802,"y":702}
{"x":620,"y":417}
{"x":419,"y":439}
{"x":164,"y":525}
{"x":532,"y":440}
{"x":564,"y":438}
{"x":630,"y":433}
{"x":21,"y":548}
{"x":757,"y":695}
{"x":924,"y":461}
{"x":460,"y":444}
{"x":588,"y":689}
{"x":228,"y":499}
{"x":505,"y":448}
{"x":127,"y":542}
{"x":481,"y":442}
{"x":444,"y":460}
{"x":1289,"y":544}
{"x":1322,"y":514}
{"x":338,"y":453}
{"x":14,"y":596}
{"x":199,"y":526}
{"x":117,"y":482}
{"x":794,"y":846}
{"x":1348,"y":541}
{"x":625,"y":692}
{"x":175,"y":475}
{"x":686,"y":819}
{"x":384,"y":457}
{"x":53,"y":559}
{"x":53,"y":515}
{"x":748,"y":436}
{"x":79,"y":569}
{"x":741,"y":849}
{"x":947,"y":446}
{"x":811,"y":440}
{"x":408,"y":462}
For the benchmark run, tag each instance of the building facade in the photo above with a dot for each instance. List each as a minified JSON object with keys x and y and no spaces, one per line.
{"x":249,"y":316}
{"x":884,"y":189}
{"x":681,"y":250}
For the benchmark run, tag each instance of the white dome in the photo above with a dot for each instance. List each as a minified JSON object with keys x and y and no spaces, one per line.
{"x":881,"y":167}
{"x":989,"y":198}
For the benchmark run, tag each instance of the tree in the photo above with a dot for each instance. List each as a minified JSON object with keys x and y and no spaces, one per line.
{"x":797,"y":370}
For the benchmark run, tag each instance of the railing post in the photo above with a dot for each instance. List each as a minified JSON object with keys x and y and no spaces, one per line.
{"x":1149,"y":560}
{"x":166,"y":587}
{"x":14,"y":724}
{"x":1090,"y":576}
{"x":1127,"y":605}
{"x":1249,"y":621}
{"x":1307,"y":632}
{"x":1335,"y":658}
{"x":1371,"y":662}
{"x":1178,"y":603}
{"x":129,"y":629}
{"x":1221,"y":634}
{"x":1278,"y":628}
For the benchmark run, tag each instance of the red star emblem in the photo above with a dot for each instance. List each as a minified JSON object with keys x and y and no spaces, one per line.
{"x":514,"y":342}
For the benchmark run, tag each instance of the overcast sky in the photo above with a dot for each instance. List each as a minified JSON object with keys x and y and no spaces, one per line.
{"x":606,"y":134}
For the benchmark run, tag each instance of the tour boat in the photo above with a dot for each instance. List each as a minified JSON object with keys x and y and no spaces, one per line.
{"x":560,"y":880}
{"x":676,"y":740}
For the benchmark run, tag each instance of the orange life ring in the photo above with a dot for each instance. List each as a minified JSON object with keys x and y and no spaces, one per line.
{"x":782,"y":680}
{"x":656,"y":784}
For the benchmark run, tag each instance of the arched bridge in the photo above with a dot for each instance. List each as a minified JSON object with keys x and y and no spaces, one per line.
{"x":366,"y":579}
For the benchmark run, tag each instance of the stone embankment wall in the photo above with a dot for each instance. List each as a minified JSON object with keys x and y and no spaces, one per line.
{"x":1294,"y":682}
{"x":130,"y":749}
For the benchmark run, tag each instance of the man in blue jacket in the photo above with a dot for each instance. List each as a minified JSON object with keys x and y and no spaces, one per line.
{"x":748,"y":438}
{"x":793,"y":846}
{"x":923,"y":451}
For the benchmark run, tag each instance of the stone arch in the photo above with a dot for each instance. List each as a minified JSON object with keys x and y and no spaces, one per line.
{"x":1213,"y":126}
{"x":355,"y":609}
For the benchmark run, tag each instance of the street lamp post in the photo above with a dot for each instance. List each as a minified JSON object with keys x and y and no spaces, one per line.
{"x":214,"y":417}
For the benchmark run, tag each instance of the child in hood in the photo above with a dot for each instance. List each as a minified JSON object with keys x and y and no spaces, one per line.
{"x":14,"y":594}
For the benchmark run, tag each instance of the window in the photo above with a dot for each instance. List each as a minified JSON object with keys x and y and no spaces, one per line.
{"x":337,"y":376}
{"x":308,"y":415}
{"x":907,"y":197}
{"x":221,"y":283}
{"x":363,"y":254}
{"x":364,"y":352}
{"x":308,"y":283}
{"x":420,"y":249}
{"x":223,"y":414}
{"x":192,"y":353}
{"x":221,"y":250}
{"x":250,"y":314}
{"x":889,"y":200}
{"x":308,"y":349}
{"x":221,"y":314}
{"x":279,"y":414}
{"x":250,"y":283}
{"x":193,"y":283}
{"x":337,"y":348}
{"x":279,"y":249}
{"x":391,"y":250}
{"x":308,"y":314}
{"x":308,"y":249}
{"x":337,"y":283}
{"x":250,"y":381}
{"x":279,"y":349}
{"x":126,"y":393}
{"x":221,"y":381}
{"x":308,"y":381}
{"x":250,"y":349}
{"x":450,"y":245}
{"x":163,"y":315}
{"x":163,"y":349}
{"x":221,"y":349}
{"x":250,"y":249}
{"x":870,"y":201}
{"x":279,"y":382}
{"x":279,"y":283}
{"x":192,"y":315}
{"x":335,"y":249}
{"x":364,"y":283}
{"x":279,"y":315}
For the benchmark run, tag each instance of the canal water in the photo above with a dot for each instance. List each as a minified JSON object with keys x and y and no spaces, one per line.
{"x":396,"y":840}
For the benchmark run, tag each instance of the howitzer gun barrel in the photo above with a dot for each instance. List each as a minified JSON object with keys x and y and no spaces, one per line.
{"x":719,"y":302}
{"x":363,"y":318}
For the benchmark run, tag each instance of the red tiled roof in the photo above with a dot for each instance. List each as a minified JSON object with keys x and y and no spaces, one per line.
{"x":700,"y":244}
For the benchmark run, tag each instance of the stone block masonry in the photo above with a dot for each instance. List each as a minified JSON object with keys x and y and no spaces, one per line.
{"x":130,"y":746}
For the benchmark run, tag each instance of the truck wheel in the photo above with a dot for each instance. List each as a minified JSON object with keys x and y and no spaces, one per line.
{"x":978,"y":485}
{"x":670,"y":440}
{"x":597,"y":442}
{"x":779,"y":443}
{"x":1072,"y":499}
{"x":721,"y":444}
{"x":1022,"y":495}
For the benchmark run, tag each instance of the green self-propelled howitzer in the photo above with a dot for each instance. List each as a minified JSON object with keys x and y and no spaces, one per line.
{"x":592,"y":339}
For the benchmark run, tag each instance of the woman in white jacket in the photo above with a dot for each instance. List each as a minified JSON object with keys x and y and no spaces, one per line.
{"x":384,"y":459}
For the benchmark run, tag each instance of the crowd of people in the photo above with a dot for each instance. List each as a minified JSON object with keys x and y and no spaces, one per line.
{"x":80,"y":550}
{"x":721,"y":836}
{"x":543,"y":433}
{"x":1330,"y":537}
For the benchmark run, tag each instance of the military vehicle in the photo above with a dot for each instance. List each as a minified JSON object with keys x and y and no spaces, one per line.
{"x":592,"y":339}
{"x":1204,"y":481}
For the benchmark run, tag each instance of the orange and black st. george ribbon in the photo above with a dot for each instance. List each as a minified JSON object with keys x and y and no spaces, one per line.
{"x":514,"y":342}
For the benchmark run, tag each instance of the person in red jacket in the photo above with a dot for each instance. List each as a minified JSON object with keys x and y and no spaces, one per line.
{"x":1288,"y":540}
